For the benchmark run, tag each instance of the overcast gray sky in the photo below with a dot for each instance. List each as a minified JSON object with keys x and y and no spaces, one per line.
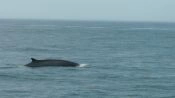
{"x":117,"y":10}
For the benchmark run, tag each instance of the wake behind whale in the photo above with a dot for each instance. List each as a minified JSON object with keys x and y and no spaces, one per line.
{"x":52,"y":62}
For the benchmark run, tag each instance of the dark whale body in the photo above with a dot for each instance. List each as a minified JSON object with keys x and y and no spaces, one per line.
{"x":51,"y":62}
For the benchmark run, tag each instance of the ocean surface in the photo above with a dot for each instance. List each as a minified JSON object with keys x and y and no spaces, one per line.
{"x":123,"y":59}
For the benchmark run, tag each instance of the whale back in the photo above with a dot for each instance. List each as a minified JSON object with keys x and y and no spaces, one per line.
{"x":51,"y":62}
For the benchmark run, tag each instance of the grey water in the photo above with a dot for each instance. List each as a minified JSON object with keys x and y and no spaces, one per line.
{"x":124,"y":59}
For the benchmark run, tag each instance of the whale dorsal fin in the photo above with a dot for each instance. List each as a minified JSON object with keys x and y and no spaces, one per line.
{"x":33,"y":59}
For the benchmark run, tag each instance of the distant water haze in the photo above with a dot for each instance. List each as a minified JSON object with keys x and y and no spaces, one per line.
{"x":113,"y":10}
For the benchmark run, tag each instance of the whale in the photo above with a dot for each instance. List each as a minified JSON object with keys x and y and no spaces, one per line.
{"x":51,"y":62}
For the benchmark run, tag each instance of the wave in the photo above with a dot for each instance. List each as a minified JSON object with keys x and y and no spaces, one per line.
{"x":37,"y":49}
{"x":5,"y":67}
{"x":96,"y":27}
{"x":146,"y":28}
{"x":72,"y":26}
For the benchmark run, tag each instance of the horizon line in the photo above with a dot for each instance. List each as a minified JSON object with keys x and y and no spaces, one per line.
{"x":89,"y":20}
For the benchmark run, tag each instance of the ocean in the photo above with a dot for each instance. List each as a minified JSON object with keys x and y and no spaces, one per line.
{"x":123,"y":59}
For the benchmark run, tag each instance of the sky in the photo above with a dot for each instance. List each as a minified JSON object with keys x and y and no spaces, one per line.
{"x":110,"y":10}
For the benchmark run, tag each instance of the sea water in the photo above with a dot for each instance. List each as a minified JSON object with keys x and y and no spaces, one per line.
{"x":123,"y":59}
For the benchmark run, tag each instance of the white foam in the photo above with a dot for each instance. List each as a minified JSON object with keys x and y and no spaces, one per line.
{"x":83,"y":65}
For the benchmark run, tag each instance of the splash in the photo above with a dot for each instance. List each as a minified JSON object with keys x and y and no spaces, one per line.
{"x":83,"y":65}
